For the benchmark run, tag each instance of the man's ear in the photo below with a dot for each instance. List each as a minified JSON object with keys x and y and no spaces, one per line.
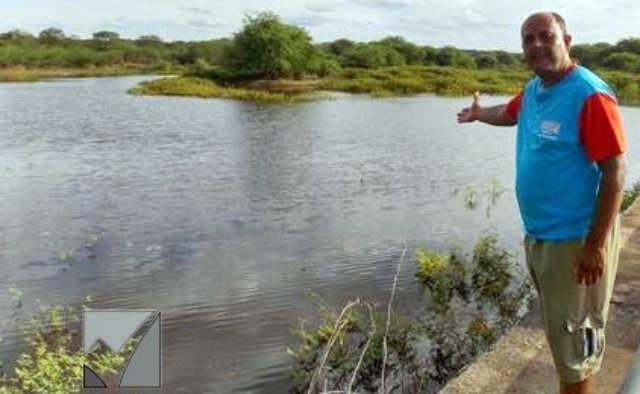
{"x":567,"y":41}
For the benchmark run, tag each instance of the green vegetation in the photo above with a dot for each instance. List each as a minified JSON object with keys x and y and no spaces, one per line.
{"x":52,"y":50}
{"x":203,"y":87}
{"x":471,"y":301}
{"x":50,"y":364}
{"x":22,"y":74}
{"x":391,"y":81}
{"x":625,"y":84}
{"x":266,"y":48}
{"x":630,"y":196}
{"x":406,"y":80}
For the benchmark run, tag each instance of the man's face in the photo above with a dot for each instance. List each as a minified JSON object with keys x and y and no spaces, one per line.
{"x":545,"y":46}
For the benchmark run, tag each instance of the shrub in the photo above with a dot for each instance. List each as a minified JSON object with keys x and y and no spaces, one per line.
{"x":53,"y":360}
{"x":348,"y":350}
{"x":629,"y":196}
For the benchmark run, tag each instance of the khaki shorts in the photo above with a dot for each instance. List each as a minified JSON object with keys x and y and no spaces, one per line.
{"x":574,"y":315}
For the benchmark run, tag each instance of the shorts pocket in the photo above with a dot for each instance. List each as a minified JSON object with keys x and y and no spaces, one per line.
{"x":588,"y":343}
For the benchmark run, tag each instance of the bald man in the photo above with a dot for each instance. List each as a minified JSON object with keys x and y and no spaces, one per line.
{"x":570,"y":177}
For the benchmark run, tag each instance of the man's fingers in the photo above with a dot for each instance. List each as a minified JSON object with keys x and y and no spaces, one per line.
{"x":587,"y":276}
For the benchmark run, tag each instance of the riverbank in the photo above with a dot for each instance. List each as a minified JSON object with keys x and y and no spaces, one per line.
{"x":520,"y":362}
{"x":377,"y":82}
{"x":23,"y":74}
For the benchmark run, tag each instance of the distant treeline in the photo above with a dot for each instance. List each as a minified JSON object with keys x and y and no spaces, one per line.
{"x":52,"y":48}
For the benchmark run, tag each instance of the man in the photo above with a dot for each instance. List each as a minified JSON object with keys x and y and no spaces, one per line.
{"x":570,"y":176}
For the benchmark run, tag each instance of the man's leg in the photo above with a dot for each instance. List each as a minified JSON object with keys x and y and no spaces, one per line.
{"x":601,"y":291}
{"x":573,"y":315}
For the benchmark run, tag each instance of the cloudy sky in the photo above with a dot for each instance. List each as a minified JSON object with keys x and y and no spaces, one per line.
{"x":467,"y":24}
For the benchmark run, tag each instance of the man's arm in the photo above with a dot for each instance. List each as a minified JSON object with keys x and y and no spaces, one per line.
{"x":612,"y":183}
{"x":592,"y":259}
{"x":495,"y":115}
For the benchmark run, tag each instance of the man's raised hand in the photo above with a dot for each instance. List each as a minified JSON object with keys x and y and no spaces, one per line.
{"x":470,"y":114}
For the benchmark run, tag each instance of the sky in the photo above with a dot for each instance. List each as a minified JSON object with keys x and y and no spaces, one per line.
{"x":466,"y":24}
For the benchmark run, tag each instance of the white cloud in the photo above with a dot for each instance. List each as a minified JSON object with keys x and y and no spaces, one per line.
{"x":319,"y":8}
{"x":385,"y":3}
{"x":196,"y":10}
{"x":205,"y":23}
{"x":306,"y":20}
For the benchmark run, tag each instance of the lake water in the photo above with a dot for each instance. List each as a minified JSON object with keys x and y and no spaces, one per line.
{"x":224,"y":215}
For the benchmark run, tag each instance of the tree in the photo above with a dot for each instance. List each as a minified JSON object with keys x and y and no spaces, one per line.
{"x":105,"y":36}
{"x":452,"y":56}
{"x":508,"y":59}
{"x":371,"y":55}
{"x":149,"y":40}
{"x":51,"y":35}
{"x":411,"y":53}
{"x":16,"y":36}
{"x":486,"y":60}
{"x":268,"y":48}
{"x":104,"y":39}
{"x":338,"y":47}
{"x":631,"y":45}
{"x":624,"y":61}
{"x":430,"y":54}
{"x":591,"y":55}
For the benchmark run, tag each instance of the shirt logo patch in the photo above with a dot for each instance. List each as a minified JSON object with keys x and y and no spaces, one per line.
{"x":549,"y":129}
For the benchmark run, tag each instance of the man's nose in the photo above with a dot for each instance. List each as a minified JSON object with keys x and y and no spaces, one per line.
{"x":537,"y":42}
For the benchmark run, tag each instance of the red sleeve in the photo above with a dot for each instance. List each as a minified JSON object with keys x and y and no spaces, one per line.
{"x":513,"y":106}
{"x":601,"y":129}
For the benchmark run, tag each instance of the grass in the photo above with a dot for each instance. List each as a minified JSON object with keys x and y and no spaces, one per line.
{"x":206,"y":88}
{"x":23,"y":74}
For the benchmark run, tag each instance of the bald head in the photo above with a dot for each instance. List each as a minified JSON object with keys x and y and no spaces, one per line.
{"x":557,"y":18}
{"x":546,"y":44}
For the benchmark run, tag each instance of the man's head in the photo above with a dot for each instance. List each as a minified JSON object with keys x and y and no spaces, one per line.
{"x":546,"y":44}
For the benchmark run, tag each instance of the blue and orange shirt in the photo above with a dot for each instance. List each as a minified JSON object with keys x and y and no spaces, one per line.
{"x":563,"y":132}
